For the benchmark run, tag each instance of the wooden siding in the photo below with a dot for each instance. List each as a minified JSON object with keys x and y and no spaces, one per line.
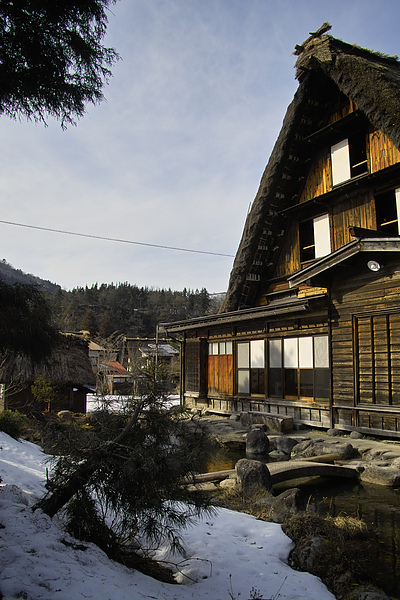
{"x":319,"y":178}
{"x":383,"y":153}
{"x":358,"y":211}
{"x":220,"y":374}
{"x":341,"y":107}
{"x":289,"y":258}
{"x":365,"y":349}
{"x":377,"y":357}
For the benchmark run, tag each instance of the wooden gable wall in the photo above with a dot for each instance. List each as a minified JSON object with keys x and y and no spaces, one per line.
{"x":353,"y":210}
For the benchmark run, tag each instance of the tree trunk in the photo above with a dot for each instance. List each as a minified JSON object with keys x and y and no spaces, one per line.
{"x":54,"y":502}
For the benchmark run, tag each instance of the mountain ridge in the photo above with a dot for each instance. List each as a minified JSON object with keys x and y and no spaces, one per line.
{"x":10,"y":275}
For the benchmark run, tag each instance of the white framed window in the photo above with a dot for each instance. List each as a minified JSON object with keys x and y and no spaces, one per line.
{"x":290,"y":353}
{"x":298,"y":367}
{"x":322,"y":236}
{"x":349,"y":158}
{"x":251,"y":367}
{"x":321,"y":352}
{"x":219,"y":348}
{"x":275,"y":353}
{"x":306,"y":359}
{"x":257,"y":354}
{"x":340,"y":156}
{"x":315,"y":238}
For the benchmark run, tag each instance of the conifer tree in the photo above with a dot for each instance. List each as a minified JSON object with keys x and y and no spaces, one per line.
{"x":123,"y":484}
{"x":25,"y":322}
{"x":52,"y":61}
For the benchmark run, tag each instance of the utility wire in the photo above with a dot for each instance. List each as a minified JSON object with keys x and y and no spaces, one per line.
{"x":109,"y":239}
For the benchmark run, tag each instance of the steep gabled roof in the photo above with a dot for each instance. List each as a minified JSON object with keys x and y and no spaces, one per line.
{"x":68,"y":363}
{"x":324,"y":63}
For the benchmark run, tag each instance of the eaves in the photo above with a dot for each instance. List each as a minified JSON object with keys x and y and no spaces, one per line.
{"x":284,"y":307}
{"x":359,"y":245}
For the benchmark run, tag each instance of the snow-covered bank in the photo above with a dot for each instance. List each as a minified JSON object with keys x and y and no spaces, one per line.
{"x":227,"y":554}
{"x":117,"y":403}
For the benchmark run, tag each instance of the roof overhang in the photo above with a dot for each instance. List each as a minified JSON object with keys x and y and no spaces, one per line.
{"x":282,"y":307}
{"x":366,"y":245}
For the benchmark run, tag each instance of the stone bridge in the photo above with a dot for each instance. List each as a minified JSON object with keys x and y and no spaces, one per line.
{"x":293,"y":469}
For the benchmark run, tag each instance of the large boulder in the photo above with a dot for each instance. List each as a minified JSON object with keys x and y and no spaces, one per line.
{"x":274,"y":422}
{"x":381,"y":474}
{"x":287,"y":504}
{"x":310,"y":553}
{"x":365,"y":593}
{"x":284,"y":444}
{"x":319,"y":447}
{"x":253,"y":476}
{"x":257,"y":442}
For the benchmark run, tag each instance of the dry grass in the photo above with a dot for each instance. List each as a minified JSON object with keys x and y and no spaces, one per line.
{"x":256,"y":504}
{"x":345,"y":556}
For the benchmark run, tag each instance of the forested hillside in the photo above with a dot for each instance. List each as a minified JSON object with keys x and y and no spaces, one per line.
{"x":116,"y":308}
{"x":128,"y":309}
{"x":10,"y":275}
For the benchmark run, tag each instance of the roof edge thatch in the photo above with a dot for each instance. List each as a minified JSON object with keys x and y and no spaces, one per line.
{"x":370,"y":79}
{"x":68,"y":364}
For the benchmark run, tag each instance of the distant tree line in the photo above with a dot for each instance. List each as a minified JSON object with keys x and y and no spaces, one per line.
{"x":134,"y":311}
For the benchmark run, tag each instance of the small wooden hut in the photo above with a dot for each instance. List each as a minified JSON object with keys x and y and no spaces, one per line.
{"x":68,"y":369}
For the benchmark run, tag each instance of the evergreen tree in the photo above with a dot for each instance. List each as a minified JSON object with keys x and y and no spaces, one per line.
{"x":52,"y":61}
{"x":25,"y":322}
{"x":134,"y":464}
{"x":89,"y":322}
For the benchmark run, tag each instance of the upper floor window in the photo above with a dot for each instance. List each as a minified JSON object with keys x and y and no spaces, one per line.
{"x":315,"y":238}
{"x":387,"y":207}
{"x":349,"y":158}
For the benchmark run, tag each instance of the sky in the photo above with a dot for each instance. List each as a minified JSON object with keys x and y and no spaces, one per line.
{"x":174,"y":156}
{"x":38,"y":559}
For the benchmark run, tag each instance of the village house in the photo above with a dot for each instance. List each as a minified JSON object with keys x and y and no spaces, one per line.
{"x":310,"y":326}
{"x":68,"y":370}
{"x":115,"y":379}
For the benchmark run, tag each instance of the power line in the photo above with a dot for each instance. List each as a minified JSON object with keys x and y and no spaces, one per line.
{"x":109,"y":239}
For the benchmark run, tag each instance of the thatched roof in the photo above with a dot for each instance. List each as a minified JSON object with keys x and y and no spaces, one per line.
{"x":324,"y":66}
{"x":68,"y":363}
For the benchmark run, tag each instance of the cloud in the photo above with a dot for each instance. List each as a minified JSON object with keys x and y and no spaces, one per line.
{"x":176,"y":153}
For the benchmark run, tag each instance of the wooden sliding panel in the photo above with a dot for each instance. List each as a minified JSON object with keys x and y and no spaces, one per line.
{"x":193,"y":360}
{"x":394,"y":321}
{"x":377,"y":359}
{"x":220,"y":368}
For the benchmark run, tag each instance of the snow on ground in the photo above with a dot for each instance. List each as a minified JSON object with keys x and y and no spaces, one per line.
{"x":227,"y":554}
{"x":116,"y":403}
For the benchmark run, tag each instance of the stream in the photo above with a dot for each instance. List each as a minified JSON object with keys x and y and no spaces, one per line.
{"x":376,"y":505}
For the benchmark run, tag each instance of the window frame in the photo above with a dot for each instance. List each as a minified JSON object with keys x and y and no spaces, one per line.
{"x":251,"y":367}
{"x":304,"y":365}
{"x":387,"y":206}
{"x":315,"y":237}
{"x":349,"y":158}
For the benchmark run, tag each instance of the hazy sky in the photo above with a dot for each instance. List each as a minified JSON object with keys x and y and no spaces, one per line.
{"x":175,"y":155}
